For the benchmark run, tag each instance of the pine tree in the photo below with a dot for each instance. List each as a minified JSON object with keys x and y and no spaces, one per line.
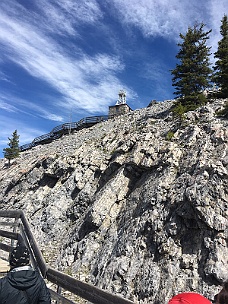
{"x":221,"y":65}
{"x":13,"y":151}
{"x":192,"y":74}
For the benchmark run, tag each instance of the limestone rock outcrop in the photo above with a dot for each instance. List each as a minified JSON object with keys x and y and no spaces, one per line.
{"x":136,"y":205}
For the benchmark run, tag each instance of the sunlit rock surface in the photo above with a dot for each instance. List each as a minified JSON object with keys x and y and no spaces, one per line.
{"x":136,"y":205}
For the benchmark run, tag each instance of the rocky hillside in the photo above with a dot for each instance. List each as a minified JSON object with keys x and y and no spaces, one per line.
{"x":136,"y":205}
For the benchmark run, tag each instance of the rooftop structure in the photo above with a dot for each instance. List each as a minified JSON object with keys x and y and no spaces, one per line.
{"x":122,"y":98}
{"x":121,"y":106}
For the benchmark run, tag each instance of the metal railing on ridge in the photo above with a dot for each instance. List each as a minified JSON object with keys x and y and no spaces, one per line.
{"x":60,"y":130}
{"x":81,"y":289}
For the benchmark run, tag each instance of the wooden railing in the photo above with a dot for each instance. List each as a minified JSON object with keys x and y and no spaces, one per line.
{"x":21,"y":229}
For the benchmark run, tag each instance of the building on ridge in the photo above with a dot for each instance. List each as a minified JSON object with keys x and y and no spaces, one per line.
{"x":121,"y":106}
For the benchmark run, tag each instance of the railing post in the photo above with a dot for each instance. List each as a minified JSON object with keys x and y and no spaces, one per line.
{"x":59,"y":290}
{"x":16,"y":221}
{"x":33,"y":260}
{"x":37,"y":253}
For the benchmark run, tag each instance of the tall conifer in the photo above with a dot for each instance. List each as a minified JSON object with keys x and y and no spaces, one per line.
{"x":221,"y":65}
{"x":13,"y":151}
{"x":192,"y":74}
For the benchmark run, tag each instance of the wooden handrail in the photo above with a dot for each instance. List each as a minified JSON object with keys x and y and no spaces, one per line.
{"x":37,"y":253}
{"x":84,"y":290}
{"x":8,"y":234}
{"x":6,"y":247}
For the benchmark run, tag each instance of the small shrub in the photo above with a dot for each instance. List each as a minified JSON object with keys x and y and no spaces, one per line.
{"x":179,"y":110}
{"x":169,"y":135}
{"x":189,"y":103}
{"x":201,"y":100}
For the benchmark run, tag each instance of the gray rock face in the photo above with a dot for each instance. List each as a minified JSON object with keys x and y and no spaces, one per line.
{"x":136,"y":205}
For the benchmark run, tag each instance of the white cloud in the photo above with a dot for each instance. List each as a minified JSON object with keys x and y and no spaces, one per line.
{"x":160,"y":17}
{"x":165,"y":18}
{"x":10,"y":103}
{"x":4,"y":77}
{"x":56,"y":16}
{"x":9,"y":125}
{"x":53,"y":117}
{"x":217,"y":9}
{"x":89,"y":82}
{"x":64,"y":16}
{"x":7,"y":107}
{"x":82,"y":11}
{"x":43,"y":58}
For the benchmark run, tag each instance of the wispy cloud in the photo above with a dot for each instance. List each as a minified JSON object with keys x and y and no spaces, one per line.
{"x":4,"y":77}
{"x":10,"y":103}
{"x":160,"y":17}
{"x":82,"y":51}
{"x":26,"y":134}
{"x":167,"y":19}
{"x":58,"y":17}
{"x":164,"y":18}
{"x":217,"y":10}
{"x":64,"y":16}
{"x":7,"y":107}
{"x":42,"y":57}
{"x":153,"y":72}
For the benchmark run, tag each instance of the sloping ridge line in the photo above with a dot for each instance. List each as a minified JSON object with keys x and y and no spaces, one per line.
{"x":65,"y":128}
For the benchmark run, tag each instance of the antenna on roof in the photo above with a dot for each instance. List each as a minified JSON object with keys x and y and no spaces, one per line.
{"x":122,"y":98}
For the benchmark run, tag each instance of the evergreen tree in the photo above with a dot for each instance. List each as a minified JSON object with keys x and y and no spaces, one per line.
{"x":192,"y":74}
{"x":221,"y":65}
{"x":13,"y":151}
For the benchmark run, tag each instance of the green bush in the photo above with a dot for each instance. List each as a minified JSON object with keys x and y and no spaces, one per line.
{"x":190,"y":103}
{"x":179,"y":110}
{"x":169,"y":135}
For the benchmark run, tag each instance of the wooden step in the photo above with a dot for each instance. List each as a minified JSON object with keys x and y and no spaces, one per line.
{"x":4,"y":266}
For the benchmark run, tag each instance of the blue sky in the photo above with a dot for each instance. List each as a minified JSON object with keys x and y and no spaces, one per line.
{"x":62,"y":60}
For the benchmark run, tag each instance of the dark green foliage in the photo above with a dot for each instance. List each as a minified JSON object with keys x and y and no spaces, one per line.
{"x":221,"y":65}
{"x":13,"y":151}
{"x":192,"y":75}
{"x":179,"y":109}
{"x":169,"y":135}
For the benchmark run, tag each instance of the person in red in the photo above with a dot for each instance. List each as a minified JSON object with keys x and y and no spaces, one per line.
{"x":189,"y":298}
